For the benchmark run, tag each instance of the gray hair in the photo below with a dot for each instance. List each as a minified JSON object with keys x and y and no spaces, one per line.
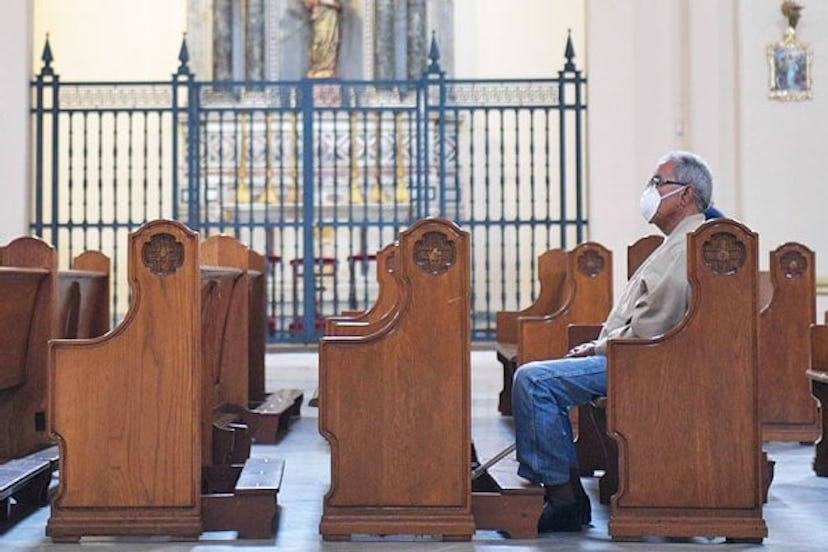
{"x":693,"y":170}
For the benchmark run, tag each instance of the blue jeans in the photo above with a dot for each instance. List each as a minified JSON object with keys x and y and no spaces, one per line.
{"x":542,"y":394}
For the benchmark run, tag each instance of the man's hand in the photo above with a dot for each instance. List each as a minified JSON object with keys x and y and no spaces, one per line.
{"x":582,"y":350}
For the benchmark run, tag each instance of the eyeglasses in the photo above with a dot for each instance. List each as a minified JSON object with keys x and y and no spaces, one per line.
{"x":657,"y":181}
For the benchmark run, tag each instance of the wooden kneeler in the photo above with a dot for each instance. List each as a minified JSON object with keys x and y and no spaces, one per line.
{"x":501,"y":499}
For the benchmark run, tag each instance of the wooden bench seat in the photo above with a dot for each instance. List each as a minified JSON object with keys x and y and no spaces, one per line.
{"x":594,"y":446}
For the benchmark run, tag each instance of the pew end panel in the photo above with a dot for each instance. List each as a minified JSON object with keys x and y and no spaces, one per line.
{"x":786,"y":409}
{"x":134,"y":393}
{"x":587,"y":300}
{"x":395,"y":404}
{"x":698,"y":472}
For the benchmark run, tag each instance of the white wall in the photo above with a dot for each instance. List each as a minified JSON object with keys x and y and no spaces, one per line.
{"x":15,"y":54}
{"x":525,"y":39}
{"x":693,"y":74}
{"x":783,"y":143}
{"x":111,"y":40}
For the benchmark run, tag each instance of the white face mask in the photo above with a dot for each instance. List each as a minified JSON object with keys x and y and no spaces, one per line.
{"x":650,"y":200}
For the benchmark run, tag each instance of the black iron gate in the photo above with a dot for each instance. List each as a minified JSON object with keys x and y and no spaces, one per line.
{"x":317,"y":175}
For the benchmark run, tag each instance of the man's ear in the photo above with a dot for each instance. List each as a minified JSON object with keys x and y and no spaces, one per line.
{"x":692,"y":194}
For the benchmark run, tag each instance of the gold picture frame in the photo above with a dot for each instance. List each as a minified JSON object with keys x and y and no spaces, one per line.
{"x":791,"y":77}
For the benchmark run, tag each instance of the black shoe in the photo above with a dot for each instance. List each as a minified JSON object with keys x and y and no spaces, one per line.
{"x":565,"y":518}
{"x":581,"y":497}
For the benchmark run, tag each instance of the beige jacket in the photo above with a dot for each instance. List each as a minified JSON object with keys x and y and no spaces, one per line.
{"x":656,"y":297}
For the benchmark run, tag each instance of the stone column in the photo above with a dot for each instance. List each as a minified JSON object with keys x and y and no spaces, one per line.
{"x":255,"y":40}
{"x":222,"y":39}
{"x":417,"y":39}
{"x":384,"y":39}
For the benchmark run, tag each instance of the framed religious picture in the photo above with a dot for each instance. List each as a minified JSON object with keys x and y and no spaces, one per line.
{"x":790,"y":62}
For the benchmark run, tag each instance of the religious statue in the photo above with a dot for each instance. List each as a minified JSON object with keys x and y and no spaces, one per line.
{"x":325,"y":22}
{"x":792,"y":11}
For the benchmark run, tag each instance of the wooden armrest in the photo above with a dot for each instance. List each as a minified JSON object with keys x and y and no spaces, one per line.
{"x":581,"y":333}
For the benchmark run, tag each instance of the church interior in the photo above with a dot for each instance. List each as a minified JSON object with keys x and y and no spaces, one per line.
{"x":268,"y":269}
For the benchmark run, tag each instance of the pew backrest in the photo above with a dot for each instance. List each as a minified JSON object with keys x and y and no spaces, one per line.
{"x":552,"y":277}
{"x":638,"y":252}
{"x":587,"y":299}
{"x":358,"y":323}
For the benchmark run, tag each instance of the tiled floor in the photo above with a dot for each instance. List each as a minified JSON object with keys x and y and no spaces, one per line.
{"x":796,"y":513}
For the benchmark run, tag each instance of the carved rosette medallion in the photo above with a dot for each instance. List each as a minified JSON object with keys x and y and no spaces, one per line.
{"x":793,"y":264}
{"x":590,"y":264}
{"x":723,"y":253}
{"x":434,"y":253}
{"x":162,"y":255}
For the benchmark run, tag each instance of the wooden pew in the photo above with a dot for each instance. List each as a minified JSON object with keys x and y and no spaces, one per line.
{"x":38,"y":303}
{"x":698,"y":473}
{"x":137,"y":393}
{"x":28,"y":290}
{"x":387,"y":280}
{"x":239,"y":354}
{"x":238,"y":491}
{"x":27,"y":296}
{"x":83,"y":297}
{"x":575,"y":288}
{"x":817,"y":375}
{"x":145,"y":408}
{"x":788,"y":309}
{"x":395,"y":401}
{"x":593,"y":444}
